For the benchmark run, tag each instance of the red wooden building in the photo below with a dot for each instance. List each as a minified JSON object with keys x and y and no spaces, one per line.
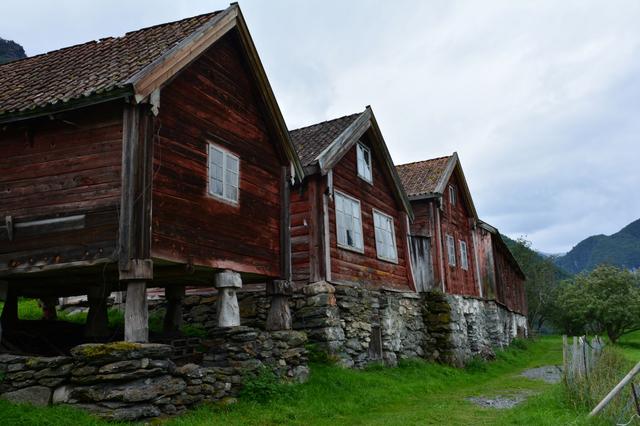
{"x":350,"y":216}
{"x":442,"y":232}
{"x":500,"y":275}
{"x":157,"y":157}
{"x":452,"y":249}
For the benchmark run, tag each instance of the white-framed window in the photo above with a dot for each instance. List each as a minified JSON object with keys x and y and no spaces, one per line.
{"x":464,"y":257}
{"x":224,"y":172}
{"x":348,"y":222}
{"x":452,"y":195}
{"x":364,"y":163}
{"x":385,"y":236}
{"x":451,"y":250}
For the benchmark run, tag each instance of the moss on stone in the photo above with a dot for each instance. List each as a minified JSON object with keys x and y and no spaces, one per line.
{"x":97,"y":350}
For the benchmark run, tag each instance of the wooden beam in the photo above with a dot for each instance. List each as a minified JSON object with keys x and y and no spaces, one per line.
{"x":285,"y":223}
{"x":136,"y":315}
{"x":97,"y":325}
{"x":173,"y":316}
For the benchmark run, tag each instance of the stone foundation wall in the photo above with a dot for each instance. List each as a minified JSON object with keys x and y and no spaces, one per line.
{"x":130,"y":381}
{"x":359,"y":326}
{"x":460,"y":328}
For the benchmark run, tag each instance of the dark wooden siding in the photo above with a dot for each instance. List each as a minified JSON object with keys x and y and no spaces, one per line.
{"x":455,"y":221}
{"x":67,"y":166}
{"x":510,"y":284}
{"x":215,"y":100}
{"x":367,"y":269}
{"x":301,"y":221}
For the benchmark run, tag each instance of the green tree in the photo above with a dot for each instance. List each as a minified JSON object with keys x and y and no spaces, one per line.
{"x":542,"y":281}
{"x":604,"y":300}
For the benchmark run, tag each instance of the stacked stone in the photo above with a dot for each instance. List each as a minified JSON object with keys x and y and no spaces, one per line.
{"x":437,"y":319}
{"x":317,"y":314}
{"x":359,"y":325}
{"x":403,"y":328}
{"x":130,"y":381}
{"x":201,"y":309}
{"x":28,"y":379}
{"x":235,"y":352}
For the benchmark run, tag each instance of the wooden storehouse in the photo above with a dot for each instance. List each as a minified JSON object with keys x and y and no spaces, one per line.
{"x":442,"y":234}
{"x":452,"y":249}
{"x":350,"y":215}
{"x":156,"y":158}
{"x":501,"y":277}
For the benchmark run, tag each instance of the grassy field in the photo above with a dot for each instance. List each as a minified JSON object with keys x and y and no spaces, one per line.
{"x":414,"y":393}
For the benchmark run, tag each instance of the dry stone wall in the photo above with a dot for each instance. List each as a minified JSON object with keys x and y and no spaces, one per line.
{"x":358,"y":326}
{"x":131,"y":381}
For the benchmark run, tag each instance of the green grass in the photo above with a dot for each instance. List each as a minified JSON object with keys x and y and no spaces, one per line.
{"x":28,"y":309}
{"x":414,"y":393}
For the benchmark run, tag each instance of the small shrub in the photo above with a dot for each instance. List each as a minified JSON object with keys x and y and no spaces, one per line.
{"x":476,"y":365}
{"x":318,"y":356}
{"x":194,"y":330}
{"x":262,"y":386}
{"x":521,"y":344}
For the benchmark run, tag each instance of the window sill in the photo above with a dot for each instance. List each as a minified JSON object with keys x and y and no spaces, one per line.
{"x":349,"y":248}
{"x":370,"y":182}
{"x":223,"y":200}
{"x":394,"y":261}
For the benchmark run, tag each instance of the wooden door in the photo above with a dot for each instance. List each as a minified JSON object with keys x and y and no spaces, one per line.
{"x":422,"y":263}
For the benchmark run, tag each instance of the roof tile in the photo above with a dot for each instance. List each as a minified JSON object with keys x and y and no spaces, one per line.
{"x":310,"y":141}
{"x":89,"y":68}
{"x":421,"y":177}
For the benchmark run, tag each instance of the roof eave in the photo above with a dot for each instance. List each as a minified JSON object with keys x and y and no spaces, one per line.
{"x":77,"y":103}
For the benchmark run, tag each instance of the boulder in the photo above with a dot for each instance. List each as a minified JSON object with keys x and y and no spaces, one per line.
{"x":34,"y":395}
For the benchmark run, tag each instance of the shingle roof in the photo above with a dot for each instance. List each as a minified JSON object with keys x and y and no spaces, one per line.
{"x":87,"y":69}
{"x":422,"y":177}
{"x":310,"y":141}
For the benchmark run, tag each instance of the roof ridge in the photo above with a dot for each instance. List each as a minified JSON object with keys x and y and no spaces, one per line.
{"x":425,"y":161}
{"x":109,"y":38}
{"x":325,"y":121}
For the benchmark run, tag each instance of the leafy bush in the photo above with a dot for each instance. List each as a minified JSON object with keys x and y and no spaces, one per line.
{"x":262,"y":386}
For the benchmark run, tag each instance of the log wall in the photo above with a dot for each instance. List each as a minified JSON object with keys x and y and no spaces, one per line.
{"x":365,"y":268}
{"x":215,"y":100}
{"x":52,"y":168}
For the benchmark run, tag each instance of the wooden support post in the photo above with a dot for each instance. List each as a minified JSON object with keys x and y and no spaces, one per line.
{"x":279,"y":317}
{"x":48,"y":304}
{"x":4,"y":289}
{"x":173,"y":316}
{"x":136,"y":315}
{"x":565,"y":357}
{"x":10,"y":311}
{"x":228,"y":310}
{"x":97,"y":325}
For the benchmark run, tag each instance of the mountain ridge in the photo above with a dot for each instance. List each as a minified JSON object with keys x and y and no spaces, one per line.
{"x":621,"y":249}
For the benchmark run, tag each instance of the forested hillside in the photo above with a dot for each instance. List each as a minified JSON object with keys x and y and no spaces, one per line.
{"x":10,"y":50}
{"x":621,"y":249}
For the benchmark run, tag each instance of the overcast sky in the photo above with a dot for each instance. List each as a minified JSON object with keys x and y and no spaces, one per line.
{"x":541,"y":100}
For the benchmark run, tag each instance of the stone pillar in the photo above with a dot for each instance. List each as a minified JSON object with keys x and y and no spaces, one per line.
{"x":227,"y":282}
{"x":97,"y":324}
{"x":173,"y":316}
{"x":279,"y":317}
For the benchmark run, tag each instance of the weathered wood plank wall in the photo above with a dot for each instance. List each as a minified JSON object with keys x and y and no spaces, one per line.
{"x":214,"y":100}
{"x":70,"y":165}
{"x":349,"y":266}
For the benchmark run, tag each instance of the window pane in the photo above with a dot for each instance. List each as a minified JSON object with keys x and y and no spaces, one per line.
{"x":216,"y":187}
{"x":232,"y":163}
